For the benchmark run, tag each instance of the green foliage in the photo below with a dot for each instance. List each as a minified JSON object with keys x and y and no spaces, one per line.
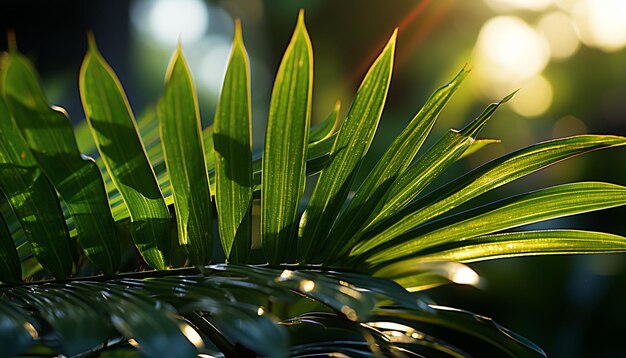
{"x":337,"y":277}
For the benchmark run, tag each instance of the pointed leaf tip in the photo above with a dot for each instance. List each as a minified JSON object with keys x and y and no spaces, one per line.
{"x":91,"y":41}
{"x":301,"y":16}
{"x":238,"y":32}
{"x":508,"y":97}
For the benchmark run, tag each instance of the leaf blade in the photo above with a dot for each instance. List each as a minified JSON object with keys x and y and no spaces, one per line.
{"x":233,"y":155}
{"x":109,"y":116}
{"x":77,"y":179}
{"x":284,"y":153}
{"x":523,"y":209}
{"x":391,"y":166}
{"x":352,"y":142}
{"x":30,"y":195}
{"x":183,"y":151}
{"x":489,"y":176}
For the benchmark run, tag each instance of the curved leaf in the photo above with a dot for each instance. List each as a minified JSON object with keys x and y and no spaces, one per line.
{"x":77,"y":179}
{"x":381,"y":181}
{"x":487,"y":177}
{"x":525,"y":243}
{"x":523,"y":209}
{"x":352,"y":143}
{"x":284,"y":154}
{"x":31,"y":196}
{"x":113,"y":127}
{"x":233,"y":155}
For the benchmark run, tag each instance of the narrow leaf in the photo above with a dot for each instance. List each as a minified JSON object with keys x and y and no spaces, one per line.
{"x":233,"y":155}
{"x":487,"y":177}
{"x":444,"y":153}
{"x":179,"y":119}
{"x":392,"y":164}
{"x":523,"y":209}
{"x":327,"y":127}
{"x":31,"y":196}
{"x":113,"y":127}
{"x":353,"y":141}
{"x":525,"y":243}
{"x":76,"y":178}
{"x":286,"y":138}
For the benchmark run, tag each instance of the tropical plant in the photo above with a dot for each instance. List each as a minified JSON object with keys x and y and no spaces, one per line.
{"x":339,"y":276}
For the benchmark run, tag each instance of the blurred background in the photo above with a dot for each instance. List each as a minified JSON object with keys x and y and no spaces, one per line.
{"x":566,"y":57}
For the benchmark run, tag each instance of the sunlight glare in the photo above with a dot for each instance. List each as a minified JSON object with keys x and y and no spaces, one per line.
{"x":192,"y":335}
{"x":465,"y":276}
{"x":307,"y":285}
{"x":534,"y":97}
{"x":559,"y":31}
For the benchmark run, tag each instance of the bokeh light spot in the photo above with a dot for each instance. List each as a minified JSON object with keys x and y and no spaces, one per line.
{"x":559,"y":31}
{"x":168,"y":20}
{"x":534,"y":98}
{"x":601,"y":23}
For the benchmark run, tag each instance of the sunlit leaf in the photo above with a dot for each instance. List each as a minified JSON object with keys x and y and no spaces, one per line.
{"x":523,"y":209}
{"x":525,"y":243}
{"x":392,"y":164}
{"x":487,"y":177}
{"x":352,"y":143}
{"x":284,"y":154}
{"x":478,"y":145}
{"x":183,"y":151}
{"x":233,"y":156}
{"x":113,"y":127}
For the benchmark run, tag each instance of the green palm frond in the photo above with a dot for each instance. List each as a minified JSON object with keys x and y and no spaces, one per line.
{"x":345,"y":275}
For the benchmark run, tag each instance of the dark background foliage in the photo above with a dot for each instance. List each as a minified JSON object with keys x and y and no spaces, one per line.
{"x":571,"y":306}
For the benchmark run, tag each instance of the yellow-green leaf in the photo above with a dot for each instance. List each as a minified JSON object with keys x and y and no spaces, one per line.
{"x":179,"y":119}
{"x":32,"y":199}
{"x":369,"y":197}
{"x":233,"y":155}
{"x":76,"y":178}
{"x":487,"y":177}
{"x":353,"y":141}
{"x":286,"y":138}
{"x":523,"y":209}
{"x":114,"y":130}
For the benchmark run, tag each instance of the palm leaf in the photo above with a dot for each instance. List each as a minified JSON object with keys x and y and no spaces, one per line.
{"x":523,"y":209}
{"x":233,"y":156}
{"x":113,"y":127}
{"x":489,"y":176}
{"x":77,"y":179}
{"x":31,"y":196}
{"x":184,"y":159}
{"x":352,"y":143}
{"x":284,"y":154}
